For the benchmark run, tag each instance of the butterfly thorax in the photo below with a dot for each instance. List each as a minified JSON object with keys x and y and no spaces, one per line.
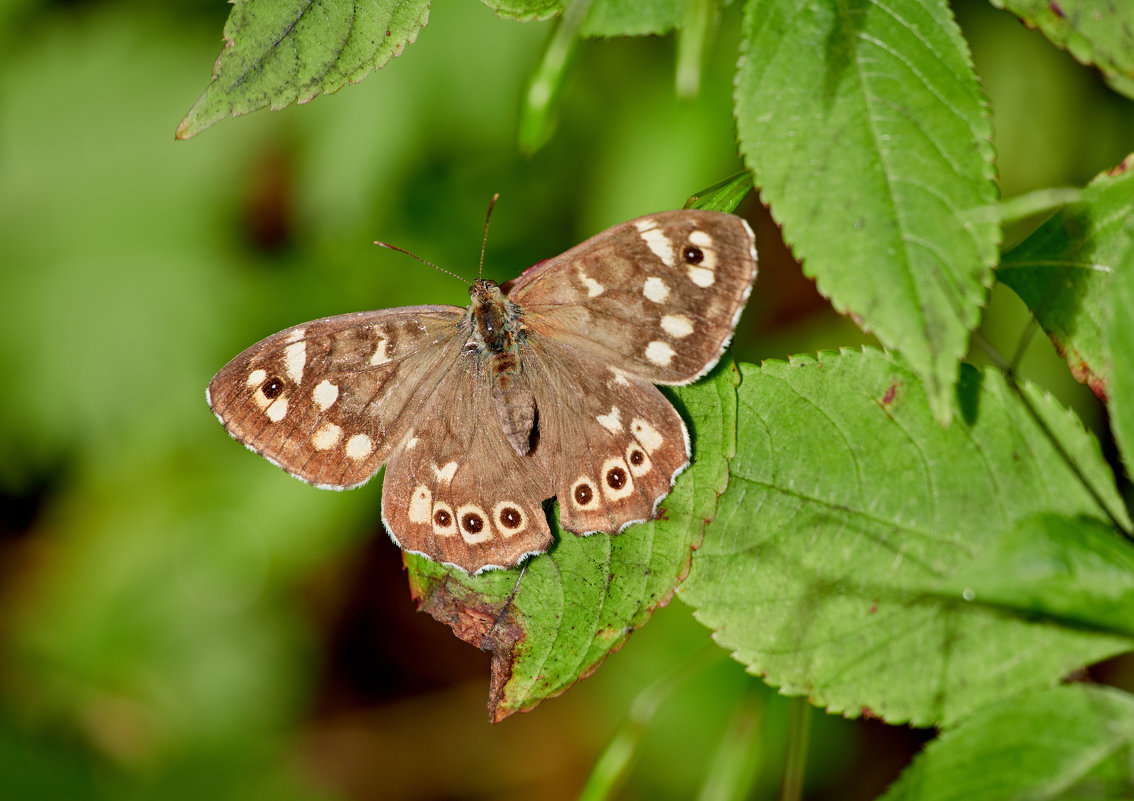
{"x":496,"y":339}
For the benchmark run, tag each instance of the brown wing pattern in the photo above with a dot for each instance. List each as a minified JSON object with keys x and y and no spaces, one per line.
{"x":329,"y":399}
{"x":610,"y":443}
{"x":657,"y":297}
{"x":455,"y":490}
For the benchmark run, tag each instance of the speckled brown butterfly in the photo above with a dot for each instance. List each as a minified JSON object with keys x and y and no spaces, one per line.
{"x":542,"y":387}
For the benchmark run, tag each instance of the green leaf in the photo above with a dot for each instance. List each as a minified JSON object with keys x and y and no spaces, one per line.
{"x":525,"y":10}
{"x":1064,"y":742}
{"x":1076,"y":570}
{"x":605,"y":17}
{"x":1063,"y":272}
{"x":554,"y":620}
{"x":1098,"y":32}
{"x":725,"y":196}
{"x":279,"y":52}
{"x":848,"y":512}
{"x":1120,"y":346}
{"x":864,"y":126}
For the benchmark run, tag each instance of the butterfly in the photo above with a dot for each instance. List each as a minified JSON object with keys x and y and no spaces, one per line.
{"x":543,"y":387}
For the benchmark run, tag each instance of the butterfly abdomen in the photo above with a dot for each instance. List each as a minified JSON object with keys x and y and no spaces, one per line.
{"x":496,"y":334}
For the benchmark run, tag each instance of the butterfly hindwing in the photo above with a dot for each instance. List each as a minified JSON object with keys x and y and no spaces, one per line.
{"x":657,"y":297}
{"x":456,"y":491}
{"x":611,"y":443}
{"x":329,"y":399}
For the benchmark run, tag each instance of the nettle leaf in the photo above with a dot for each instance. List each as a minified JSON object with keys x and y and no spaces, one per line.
{"x":279,"y":52}
{"x":554,"y":620}
{"x":1098,"y":32}
{"x":1120,"y":346}
{"x":832,"y":566}
{"x":1064,"y":272}
{"x":1064,"y":742}
{"x":604,"y":17}
{"x":864,"y":126}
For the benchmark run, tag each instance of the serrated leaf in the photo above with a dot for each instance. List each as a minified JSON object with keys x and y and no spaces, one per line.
{"x":1120,"y":346}
{"x":849,"y":510}
{"x":1065,"y":742}
{"x":864,"y":126}
{"x":1073,"y":569}
{"x":1098,"y":32}
{"x":604,"y":18}
{"x":279,"y":52}
{"x":525,"y":10}
{"x":554,"y":620}
{"x":1063,"y":272}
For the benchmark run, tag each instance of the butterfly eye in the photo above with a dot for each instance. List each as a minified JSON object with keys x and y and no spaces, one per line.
{"x":442,"y":518}
{"x":692,"y":254}
{"x":583,"y":493}
{"x":510,"y":518}
{"x":616,"y":478}
{"x":473,"y":523}
{"x":273,"y":388}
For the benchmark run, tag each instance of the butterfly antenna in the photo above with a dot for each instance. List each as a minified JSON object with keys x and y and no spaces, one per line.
{"x":388,"y":246}
{"x":484,"y":242}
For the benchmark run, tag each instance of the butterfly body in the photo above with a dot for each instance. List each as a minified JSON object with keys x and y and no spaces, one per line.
{"x":543,"y":387}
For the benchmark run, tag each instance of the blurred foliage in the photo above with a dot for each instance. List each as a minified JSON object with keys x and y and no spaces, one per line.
{"x":176,"y":619}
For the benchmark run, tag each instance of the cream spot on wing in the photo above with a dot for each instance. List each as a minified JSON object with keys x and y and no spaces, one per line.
{"x":380,"y":355}
{"x":445,"y":474}
{"x":296,"y":335}
{"x":645,"y":224}
{"x":659,"y":353}
{"x":510,"y":518}
{"x":359,"y":447}
{"x":646,"y":434}
{"x":325,"y":394}
{"x":411,"y":441}
{"x":444,"y":521}
{"x":655,"y":289}
{"x":637,"y":460}
{"x":295,"y":357}
{"x":610,"y":421}
{"x":420,"y":505}
{"x":474,"y":524}
{"x":659,"y":243}
{"x":256,"y":377}
{"x":326,"y":436}
{"x":708,"y":259}
{"x":619,"y":378}
{"x":701,"y":277}
{"x":677,"y":326}
{"x":594,"y":288}
{"x":584,"y":494}
{"x":277,"y":410}
{"x":701,"y":239}
{"x":616,"y":480}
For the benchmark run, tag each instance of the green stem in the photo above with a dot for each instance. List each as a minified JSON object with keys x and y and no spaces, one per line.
{"x":543,"y":91}
{"x":614,"y":762}
{"x":795,"y":761}
{"x":1037,"y":202}
{"x":733,"y":769}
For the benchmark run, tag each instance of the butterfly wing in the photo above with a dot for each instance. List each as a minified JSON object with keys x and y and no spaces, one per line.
{"x":657,"y":297}
{"x":328,"y":400}
{"x":611,"y":444}
{"x":455,"y":490}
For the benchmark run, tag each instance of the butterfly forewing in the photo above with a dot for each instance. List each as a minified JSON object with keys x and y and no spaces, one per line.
{"x":657,"y":297}
{"x":329,"y":399}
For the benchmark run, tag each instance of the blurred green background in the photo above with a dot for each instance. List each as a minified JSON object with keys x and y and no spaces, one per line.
{"x":178,"y":619}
